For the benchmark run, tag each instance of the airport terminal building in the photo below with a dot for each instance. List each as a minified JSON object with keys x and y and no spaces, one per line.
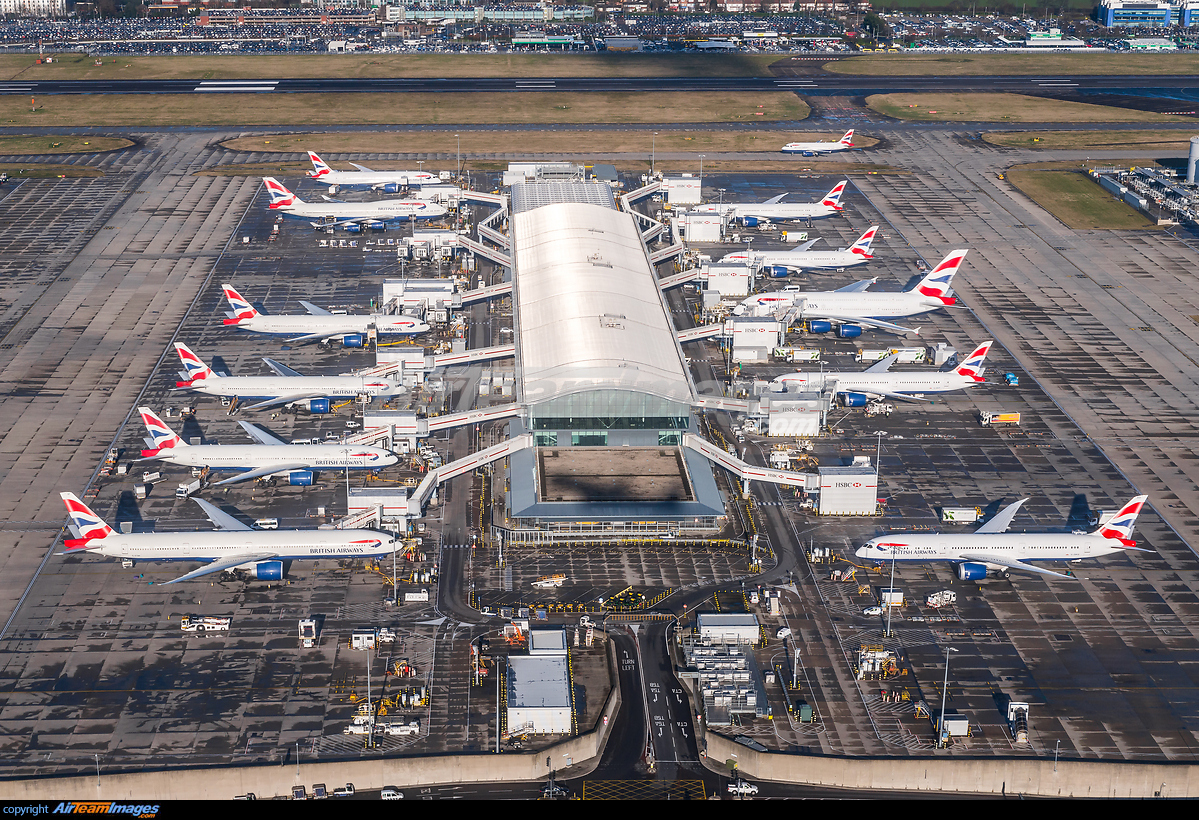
{"x":601,"y":376}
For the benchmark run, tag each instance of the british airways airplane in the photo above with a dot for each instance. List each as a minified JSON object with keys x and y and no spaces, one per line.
{"x":349,"y":215}
{"x":288,"y":387}
{"x":265,"y":554}
{"x":780,"y":263}
{"x":298,"y":463}
{"x":319,"y":325}
{"x":389,"y":182}
{"x":856,"y":389}
{"x":811,"y":149}
{"x":992,"y":548}
{"x":774,"y":209}
{"x":852,"y":308}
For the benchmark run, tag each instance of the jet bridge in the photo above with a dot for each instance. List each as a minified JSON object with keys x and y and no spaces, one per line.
{"x":439,"y":475}
{"x":746,"y":471}
{"x":497,"y":256}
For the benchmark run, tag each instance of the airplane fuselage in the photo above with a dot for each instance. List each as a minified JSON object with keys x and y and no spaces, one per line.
{"x":364,"y":179}
{"x":253,"y":456}
{"x":302,"y":325}
{"x":818,"y":305}
{"x":279,"y":545}
{"x":269,"y":387}
{"x":774,"y":213}
{"x":876,"y":384}
{"x":798,"y":260}
{"x":1032,"y":546}
{"x":814,"y":147}
{"x":383,"y":211}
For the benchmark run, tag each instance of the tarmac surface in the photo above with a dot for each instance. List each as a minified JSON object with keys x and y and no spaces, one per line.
{"x":102,"y":274}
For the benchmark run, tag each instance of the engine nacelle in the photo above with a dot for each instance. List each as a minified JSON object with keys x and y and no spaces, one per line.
{"x":353,"y":340}
{"x":777,"y":271}
{"x":968,"y":571}
{"x":318,"y":405}
{"x":269,"y":571}
{"x":849,"y":331}
{"x":391,"y":188}
{"x":853,"y":399}
{"x":750,"y":221}
{"x":333,"y":189}
{"x":300,"y":478}
{"x":820,"y":326}
{"x":377,"y":226}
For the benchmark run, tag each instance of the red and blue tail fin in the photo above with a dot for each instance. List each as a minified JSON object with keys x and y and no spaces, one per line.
{"x":1121,"y":524}
{"x":194,"y":368}
{"x":862,"y":246}
{"x":280,"y":196}
{"x":847,"y":140}
{"x":833,"y":198}
{"x":973,"y":366}
{"x":320,"y":168}
{"x":162,"y":436}
{"x":242,"y":309}
{"x":937,"y":283}
{"x":91,"y":526}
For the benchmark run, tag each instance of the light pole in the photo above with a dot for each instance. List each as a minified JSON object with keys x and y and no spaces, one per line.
{"x":458,"y":140}
{"x":653,"y":153}
{"x":420,"y":165}
{"x":944,"y":697}
{"x":701,"y":176}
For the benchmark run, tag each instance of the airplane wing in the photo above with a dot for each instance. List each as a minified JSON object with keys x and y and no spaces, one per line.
{"x":222,"y":520}
{"x":857,"y":287}
{"x":278,"y":400}
{"x":314,"y":310}
{"x":887,"y":394}
{"x":258,"y":434}
{"x":331,"y":199}
{"x":362,"y":168}
{"x":1010,"y":563}
{"x":221,"y":565}
{"x":883,"y":365}
{"x":774,"y":200}
{"x":316,"y":337}
{"x":281,"y":369}
{"x":1002,"y":519}
{"x":867,"y":321}
{"x":807,"y":245}
{"x":262,"y":472}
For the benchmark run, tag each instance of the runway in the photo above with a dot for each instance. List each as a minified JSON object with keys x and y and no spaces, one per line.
{"x":1173,"y":86}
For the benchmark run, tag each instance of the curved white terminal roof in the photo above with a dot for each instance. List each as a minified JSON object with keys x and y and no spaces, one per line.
{"x":589,"y":312}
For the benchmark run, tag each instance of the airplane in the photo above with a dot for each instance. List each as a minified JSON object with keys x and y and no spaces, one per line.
{"x":349,"y":215}
{"x":287,"y":387}
{"x":992,"y":548}
{"x":851,"y":308}
{"x":390,"y":182}
{"x":856,"y":389}
{"x":319,"y":325}
{"x":779,"y":263}
{"x":811,"y":149}
{"x":265,"y":554}
{"x":270,"y":457}
{"x":752,"y":214}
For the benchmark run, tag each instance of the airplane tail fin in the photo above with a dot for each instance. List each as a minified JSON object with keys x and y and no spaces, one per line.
{"x":162,"y":436}
{"x":937,"y":282}
{"x":280,"y":196}
{"x":1121,"y":524}
{"x":320,"y":168}
{"x":242,"y":309}
{"x":847,"y":140}
{"x":973,"y":366}
{"x":91,"y":527}
{"x":833,"y":198}
{"x":862,"y":246}
{"x":193,"y":366}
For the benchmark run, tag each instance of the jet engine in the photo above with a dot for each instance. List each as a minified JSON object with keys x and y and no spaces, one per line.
{"x":318,"y":405}
{"x":269,"y":571}
{"x":969,"y":571}
{"x":849,"y":331}
{"x":390,"y":188}
{"x":778,"y":271}
{"x":300,"y":478}
{"x":820,"y":326}
{"x":853,"y":399}
{"x":353,"y":340}
{"x":353,"y":227}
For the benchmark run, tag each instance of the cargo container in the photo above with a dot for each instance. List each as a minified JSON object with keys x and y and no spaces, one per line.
{"x":867,"y":356}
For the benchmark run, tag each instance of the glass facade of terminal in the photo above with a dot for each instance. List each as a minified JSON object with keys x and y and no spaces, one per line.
{"x":609,"y":409}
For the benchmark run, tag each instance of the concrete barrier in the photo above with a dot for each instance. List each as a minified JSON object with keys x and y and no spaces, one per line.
{"x":1072,"y":778}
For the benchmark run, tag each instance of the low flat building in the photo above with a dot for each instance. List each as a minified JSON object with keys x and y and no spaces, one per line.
{"x":539,"y":701}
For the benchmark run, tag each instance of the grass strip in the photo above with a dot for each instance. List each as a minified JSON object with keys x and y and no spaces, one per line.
{"x":1065,"y":191}
{"x":1099,"y":140}
{"x":1003,"y":108}
{"x":922,"y":65}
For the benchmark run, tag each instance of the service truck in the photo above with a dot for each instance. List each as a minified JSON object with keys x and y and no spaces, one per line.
{"x":986,"y":419}
{"x":204,"y":623}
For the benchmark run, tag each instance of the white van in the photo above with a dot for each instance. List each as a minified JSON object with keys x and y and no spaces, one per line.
{"x":267,"y":524}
